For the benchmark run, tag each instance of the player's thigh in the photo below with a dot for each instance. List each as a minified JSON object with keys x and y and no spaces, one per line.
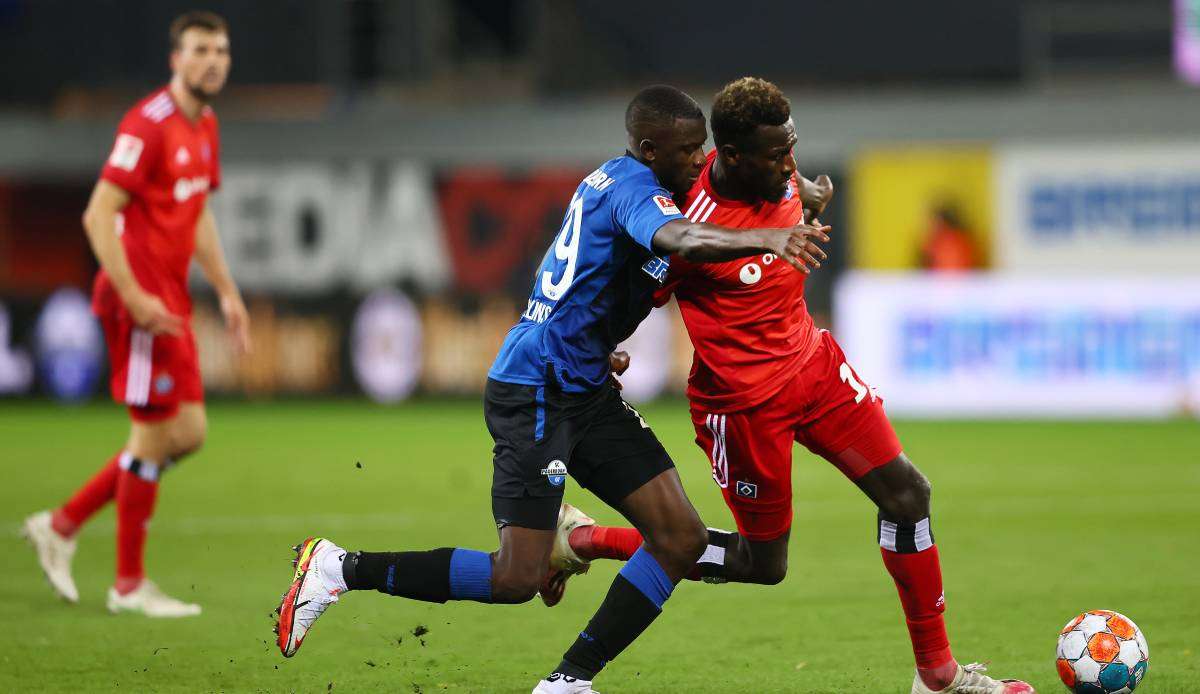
{"x":848,"y":425}
{"x":617,"y":452}
{"x":151,"y":433}
{"x":520,"y":565}
{"x":532,"y":446}
{"x":672,"y":530}
{"x":750,"y":456}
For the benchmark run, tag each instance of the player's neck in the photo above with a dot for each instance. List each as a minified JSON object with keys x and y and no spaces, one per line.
{"x":187,"y":102}
{"x":725,"y":186}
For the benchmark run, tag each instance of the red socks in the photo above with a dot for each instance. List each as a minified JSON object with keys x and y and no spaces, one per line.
{"x":137,"y":489}
{"x":598,"y":542}
{"x":91,"y":497}
{"x":912,"y":559}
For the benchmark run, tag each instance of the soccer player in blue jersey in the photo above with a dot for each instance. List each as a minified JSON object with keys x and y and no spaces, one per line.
{"x":553,"y":412}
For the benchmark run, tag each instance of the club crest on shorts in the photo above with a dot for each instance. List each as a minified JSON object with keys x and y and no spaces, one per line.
{"x":746,"y":489}
{"x":556,"y":473}
{"x":163,"y":384}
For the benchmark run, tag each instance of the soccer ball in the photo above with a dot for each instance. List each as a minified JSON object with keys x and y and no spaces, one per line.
{"x":1102,"y":652}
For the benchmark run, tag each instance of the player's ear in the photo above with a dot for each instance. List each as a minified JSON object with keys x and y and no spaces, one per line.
{"x":730,"y":154}
{"x":647,"y":149}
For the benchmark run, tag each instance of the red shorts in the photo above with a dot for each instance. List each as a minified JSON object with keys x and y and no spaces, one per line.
{"x":151,"y":374}
{"x":826,"y":407}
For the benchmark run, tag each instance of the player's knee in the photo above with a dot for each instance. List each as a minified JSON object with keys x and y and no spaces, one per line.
{"x":188,"y":435}
{"x":689,"y":543}
{"x":515,"y":587}
{"x":909,"y":503}
{"x":771,"y":573}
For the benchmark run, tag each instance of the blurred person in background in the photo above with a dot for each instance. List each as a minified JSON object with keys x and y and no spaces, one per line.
{"x":764,"y":377}
{"x":948,"y":245}
{"x":148,"y":216}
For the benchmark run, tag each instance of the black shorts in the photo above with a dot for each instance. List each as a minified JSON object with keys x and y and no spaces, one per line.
{"x":542,"y":435}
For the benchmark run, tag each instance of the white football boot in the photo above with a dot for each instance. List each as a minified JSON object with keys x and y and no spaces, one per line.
{"x":971,"y":680}
{"x":149,"y":600}
{"x":309,"y":595}
{"x":564,"y":562}
{"x":54,"y":553}
{"x":559,"y":683}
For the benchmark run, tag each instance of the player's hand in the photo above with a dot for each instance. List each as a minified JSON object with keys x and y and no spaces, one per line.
{"x":798,"y":245}
{"x":618,"y":363}
{"x":237,"y":322}
{"x":150,"y":314}
{"x":815,"y":195}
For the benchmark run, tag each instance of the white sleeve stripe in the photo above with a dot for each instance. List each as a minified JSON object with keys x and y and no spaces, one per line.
{"x":709,"y":212}
{"x":692,"y":207}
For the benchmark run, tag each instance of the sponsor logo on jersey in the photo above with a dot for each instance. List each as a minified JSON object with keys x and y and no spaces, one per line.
{"x":751,"y":273}
{"x":182,"y":157}
{"x":126,"y":152}
{"x":556,"y":473}
{"x":666,"y":205}
{"x":746,"y":489}
{"x":657,"y":268}
{"x":187,"y":187}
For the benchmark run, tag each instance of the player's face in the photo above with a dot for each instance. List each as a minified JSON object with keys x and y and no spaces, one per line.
{"x":202,"y":61}
{"x":766,"y":164}
{"x":679,"y":155}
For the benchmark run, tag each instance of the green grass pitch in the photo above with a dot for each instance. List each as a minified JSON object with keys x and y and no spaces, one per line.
{"x":1035,"y":523}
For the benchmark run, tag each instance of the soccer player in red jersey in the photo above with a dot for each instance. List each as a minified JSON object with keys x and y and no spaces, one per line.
{"x":764,"y":376}
{"x":147,"y":217}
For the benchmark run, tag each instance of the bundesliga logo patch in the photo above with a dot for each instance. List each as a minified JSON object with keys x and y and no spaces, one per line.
{"x":666,"y":205}
{"x":746,"y":489}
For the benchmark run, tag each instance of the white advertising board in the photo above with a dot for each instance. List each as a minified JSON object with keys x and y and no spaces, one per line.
{"x":988,"y":345}
{"x":1099,"y":208}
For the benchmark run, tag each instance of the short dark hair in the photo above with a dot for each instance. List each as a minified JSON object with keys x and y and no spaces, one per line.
{"x":743,"y":105}
{"x":196,"y":19}
{"x":660,"y":105}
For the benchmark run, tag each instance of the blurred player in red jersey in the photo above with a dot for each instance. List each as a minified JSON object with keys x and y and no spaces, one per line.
{"x":764,"y":376}
{"x":147,"y":217}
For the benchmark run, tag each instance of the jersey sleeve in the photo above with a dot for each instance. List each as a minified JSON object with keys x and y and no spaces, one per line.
{"x":214,"y":134}
{"x":135,"y":156}
{"x":641,"y":208}
{"x":678,"y":273}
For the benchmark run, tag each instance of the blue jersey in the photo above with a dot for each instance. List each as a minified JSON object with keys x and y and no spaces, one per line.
{"x":595,"y":284}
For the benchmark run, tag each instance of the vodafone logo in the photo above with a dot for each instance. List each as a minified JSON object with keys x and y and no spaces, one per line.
{"x":187,"y":187}
{"x":751,"y":273}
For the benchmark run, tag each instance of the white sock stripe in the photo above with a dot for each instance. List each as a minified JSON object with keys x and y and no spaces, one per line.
{"x":714,"y":554}
{"x":146,"y":469}
{"x":692,"y":208}
{"x":923,"y":539}
{"x":887,"y":535}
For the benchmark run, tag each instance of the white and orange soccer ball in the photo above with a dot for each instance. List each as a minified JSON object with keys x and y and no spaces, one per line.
{"x":1102,"y":652}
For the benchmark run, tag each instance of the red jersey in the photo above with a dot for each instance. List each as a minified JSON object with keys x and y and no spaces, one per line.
{"x":747,"y":318}
{"x":167,"y":163}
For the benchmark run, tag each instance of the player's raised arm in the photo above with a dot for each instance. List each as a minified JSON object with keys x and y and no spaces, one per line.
{"x":706,"y":243}
{"x":100,"y":224}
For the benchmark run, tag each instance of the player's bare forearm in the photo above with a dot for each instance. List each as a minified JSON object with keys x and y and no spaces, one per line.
{"x":211,"y":257}
{"x":709,"y":243}
{"x":100,"y":224}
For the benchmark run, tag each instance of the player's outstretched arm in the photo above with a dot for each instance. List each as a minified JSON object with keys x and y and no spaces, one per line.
{"x":709,"y":243}
{"x":211,"y":258}
{"x":100,"y":223}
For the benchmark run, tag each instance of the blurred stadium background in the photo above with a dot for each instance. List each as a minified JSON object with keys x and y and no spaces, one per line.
{"x":1016,"y":235}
